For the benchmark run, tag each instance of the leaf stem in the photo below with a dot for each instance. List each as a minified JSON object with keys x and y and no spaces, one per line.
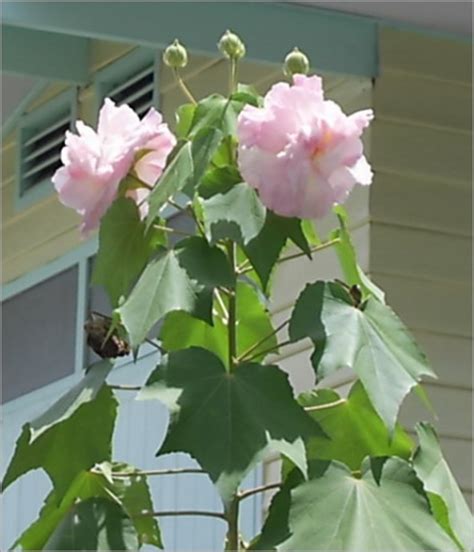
{"x":124,"y":387}
{"x":171,"y":230}
{"x":258,"y":343}
{"x":183,"y":87}
{"x":250,"y":492}
{"x":315,"y":249}
{"x":324,"y":406}
{"x":269,"y":350}
{"x":171,"y":471}
{"x":232,"y":304}
{"x":164,"y":513}
{"x":232,"y":75}
{"x":221,"y":304}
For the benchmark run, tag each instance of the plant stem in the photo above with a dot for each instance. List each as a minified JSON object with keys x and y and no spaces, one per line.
{"x":164,"y":513}
{"x":125,"y":387}
{"x":250,"y":492}
{"x":232,"y":75}
{"x":172,"y":471}
{"x":256,"y":345}
{"x":183,"y":87}
{"x":269,"y":350}
{"x":171,"y":230}
{"x":232,"y":318}
{"x":324,"y":406}
{"x":221,"y":304}
{"x":232,"y":517}
{"x":321,"y":247}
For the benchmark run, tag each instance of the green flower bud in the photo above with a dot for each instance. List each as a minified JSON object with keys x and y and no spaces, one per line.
{"x":296,"y":62}
{"x":231,"y":45}
{"x":175,"y":55}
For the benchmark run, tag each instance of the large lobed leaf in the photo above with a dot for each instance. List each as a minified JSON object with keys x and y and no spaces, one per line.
{"x":246,"y":413}
{"x":354,"y":428}
{"x":264,"y":249}
{"x":73,"y":435}
{"x":430,"y":466}
{"x":123,"y":501}
{"x":334,"y":510}
{"x":371,"y":340}
{"x":122,"y":236}
{"x":183,"y":279}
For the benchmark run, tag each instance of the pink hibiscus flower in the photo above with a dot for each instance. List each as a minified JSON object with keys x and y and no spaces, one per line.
{"x":94,"y":163}
{"x":301,"y":152}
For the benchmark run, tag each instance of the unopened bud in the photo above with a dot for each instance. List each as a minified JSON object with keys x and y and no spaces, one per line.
{"x":231,"y":45}
{"x":296,"y":62}
{"x":175,"y":55}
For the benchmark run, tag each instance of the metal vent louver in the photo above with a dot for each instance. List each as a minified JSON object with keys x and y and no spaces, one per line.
{"x":41,"y":150}
{"x":137,"y":91}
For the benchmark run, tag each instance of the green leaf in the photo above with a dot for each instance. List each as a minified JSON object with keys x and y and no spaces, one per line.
{"x":204,"y":146}
{"x":264,"y":250}
{"x":347,"y":255}
{"x":247,"y":94}
{"x":180,"y":330}
{"x":248,"y":412}
{"x":184,"y":119}
{"x":94,"y":524}
{"x":131,"y":493}
{"x":219,"y":112}
{"x":353,"y":427}
{"x":176,"y":176}
{"x":434,"y":472}
{"x":373,"y":342}
{"x":69,"y":446}
{"x":183,"y":279}
{"x":122,"y":236}
{"x":219,"y":181}
{"x":237,"y":214}
{"x":335,"y":511}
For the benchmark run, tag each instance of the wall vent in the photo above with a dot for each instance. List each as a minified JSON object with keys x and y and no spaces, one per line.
{"x":42,"y":135}
{"x":137,"y":91}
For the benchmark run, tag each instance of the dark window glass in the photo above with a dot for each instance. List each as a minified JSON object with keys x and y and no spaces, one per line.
{"x":38,"y":335}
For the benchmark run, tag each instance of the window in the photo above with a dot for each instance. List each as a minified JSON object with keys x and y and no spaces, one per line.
{"x":39,"y":334}
{"x":40,"y":139}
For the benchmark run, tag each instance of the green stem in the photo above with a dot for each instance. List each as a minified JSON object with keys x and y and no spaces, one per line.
{"x":266,"y":338}
{"x":232,"y":319}
{"x":165,"y":513}
{"x":233,"y":74}
{"x":171,"y":230}
{"x":232,"y":517}
{"x":263,"y":488}
{"x":269,"y":350}
{"x":183,"y":87}
{"x":324,"y":406}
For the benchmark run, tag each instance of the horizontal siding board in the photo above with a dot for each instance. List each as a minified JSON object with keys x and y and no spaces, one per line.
{"x":420,"y":254}
{"x":420,"y":150}
{"x":431,"y":306}
{"x":426,"y":55}
{"x":418,"y":99}
{"x":421,"y":203}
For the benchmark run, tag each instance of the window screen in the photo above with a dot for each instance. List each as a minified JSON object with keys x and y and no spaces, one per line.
{"x":38,"y":335}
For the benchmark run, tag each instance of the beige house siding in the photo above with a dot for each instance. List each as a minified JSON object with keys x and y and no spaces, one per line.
{"x":420,"y":206}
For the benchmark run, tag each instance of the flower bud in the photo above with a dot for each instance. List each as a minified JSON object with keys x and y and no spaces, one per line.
{"x":231,"y":46}
{"x":296,"y":62}
{"x":175,"y":55}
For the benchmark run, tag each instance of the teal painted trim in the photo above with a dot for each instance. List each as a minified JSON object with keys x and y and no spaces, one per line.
{"x":48,"y":270}
{"x":82,"y":302}
{"x":51,"y":56}
{"x":11,"y":122}
{"x":334,"y":41}
{"x":64,"y":101}
{"x":120,"y":70}
{"x":446,"y":35}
